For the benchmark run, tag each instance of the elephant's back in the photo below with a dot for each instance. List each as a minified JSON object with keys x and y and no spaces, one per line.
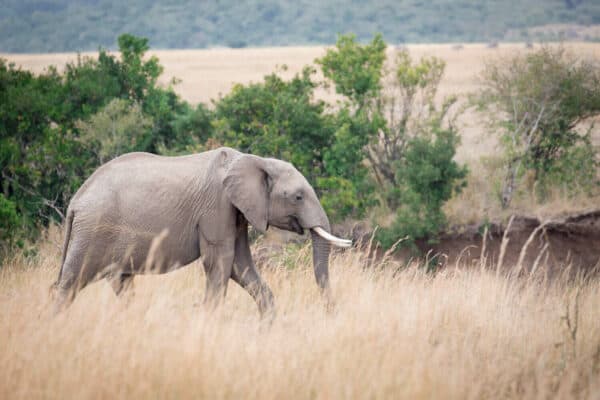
{"x":141,"y":190}
{"x":144,"y":186}
{"x":137,"y":171}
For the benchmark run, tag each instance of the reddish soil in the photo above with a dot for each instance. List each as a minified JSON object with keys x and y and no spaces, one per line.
{"x":567,"y":242}
{"x":563,"y":244}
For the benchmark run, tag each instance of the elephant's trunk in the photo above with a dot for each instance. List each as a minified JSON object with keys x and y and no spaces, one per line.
{"x":321,"y":249}
{"x":321,"y":244}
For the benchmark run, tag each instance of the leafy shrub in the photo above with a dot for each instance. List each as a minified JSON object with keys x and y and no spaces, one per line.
{"x":356,"y":70}
{"x":429,"y":177}
{"x":118,"y":128}
{"x":276,"y":118}
{"x":38,"y":160}
{"x":535,"y":102}
{"x":52,"y":127}
{"x":391,"y":120}
{"x":192,"y":131}
{"x":9,"y":222}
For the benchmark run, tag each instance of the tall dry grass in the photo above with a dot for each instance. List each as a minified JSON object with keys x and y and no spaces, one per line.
{"x":396,"y":333}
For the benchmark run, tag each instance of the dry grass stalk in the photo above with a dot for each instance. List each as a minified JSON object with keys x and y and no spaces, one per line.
{"x":482,"y":256}
{"x":504,"y":244}
{"x":528,"y":242}
{"x":571,"y":319}
{"x":461,"y":254}
{"x":537,"y":260}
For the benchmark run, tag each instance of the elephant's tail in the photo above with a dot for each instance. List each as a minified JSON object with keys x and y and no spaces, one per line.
{"x":68,"y":226}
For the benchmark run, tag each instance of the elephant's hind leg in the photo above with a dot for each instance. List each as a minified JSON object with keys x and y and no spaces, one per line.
{"x":62,"y":299}
{"x":77,"y":271}
{"x":65,"y":291}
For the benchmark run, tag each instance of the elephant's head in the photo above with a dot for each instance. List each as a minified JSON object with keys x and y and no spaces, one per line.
{"x":271,"y":192}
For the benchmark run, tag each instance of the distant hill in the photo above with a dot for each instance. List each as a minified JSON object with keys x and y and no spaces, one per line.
{"x":62,"y":25}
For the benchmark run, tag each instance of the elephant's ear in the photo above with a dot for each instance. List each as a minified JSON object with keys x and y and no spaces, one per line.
{"x":246,"y":185}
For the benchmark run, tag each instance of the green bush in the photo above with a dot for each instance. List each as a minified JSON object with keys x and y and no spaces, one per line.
{"x":535,"y":103}
{"x":276,"y":118}
{"x":356,"y":70}
{"x":38,"y":159}
{"x":390,"y":120}
{"x":56,"y":128}
{"x":9,"y":222}
{"x":118,"y":128}
{"x":429,"y":177}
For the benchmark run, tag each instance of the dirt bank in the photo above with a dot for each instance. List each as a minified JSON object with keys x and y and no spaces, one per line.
{"x":554,"y":244}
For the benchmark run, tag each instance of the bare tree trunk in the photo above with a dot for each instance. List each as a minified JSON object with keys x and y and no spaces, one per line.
{"x":509,"y":182}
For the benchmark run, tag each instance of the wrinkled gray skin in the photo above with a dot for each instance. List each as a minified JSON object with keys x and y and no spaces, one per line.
{"x":143,"y":213}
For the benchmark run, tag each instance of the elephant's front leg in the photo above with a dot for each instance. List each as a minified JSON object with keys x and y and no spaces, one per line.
{"x":218,"y":260}
{"x":245,"y":274}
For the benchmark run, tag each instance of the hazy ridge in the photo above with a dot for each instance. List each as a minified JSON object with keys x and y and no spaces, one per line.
{"x":63,"y":25}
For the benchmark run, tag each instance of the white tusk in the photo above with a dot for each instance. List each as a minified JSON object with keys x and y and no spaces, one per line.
{"x":333,"y":239}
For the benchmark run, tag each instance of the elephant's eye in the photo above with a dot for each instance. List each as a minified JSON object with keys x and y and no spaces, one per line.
{"x":298,"y":197}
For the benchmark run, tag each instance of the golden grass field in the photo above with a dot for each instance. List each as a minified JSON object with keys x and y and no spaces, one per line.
{"x":395,"y":333}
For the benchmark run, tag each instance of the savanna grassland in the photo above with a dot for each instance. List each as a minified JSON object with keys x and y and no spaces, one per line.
{"x":396,"y":332}
{"x":204,"y":75}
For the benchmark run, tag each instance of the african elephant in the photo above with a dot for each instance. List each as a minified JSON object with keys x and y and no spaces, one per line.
{"x":143,"y":213}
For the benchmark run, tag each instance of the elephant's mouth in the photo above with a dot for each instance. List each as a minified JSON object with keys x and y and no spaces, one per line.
{"x":292,"y":223}
{"x":295,"y":225}
{"x":289,"y":223}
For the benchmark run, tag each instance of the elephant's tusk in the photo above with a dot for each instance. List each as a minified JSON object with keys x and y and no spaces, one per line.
{"x":333,"y":239}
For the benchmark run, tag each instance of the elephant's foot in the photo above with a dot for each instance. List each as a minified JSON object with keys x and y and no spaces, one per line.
{"x":62,"y":300}
{"x":266,"y":304}
{"x":212,"y":301}
{"x":268,"y":316}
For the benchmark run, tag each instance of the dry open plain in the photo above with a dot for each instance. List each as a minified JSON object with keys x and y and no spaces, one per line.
{"x":397,"y":332}
{"x":205,"y":74}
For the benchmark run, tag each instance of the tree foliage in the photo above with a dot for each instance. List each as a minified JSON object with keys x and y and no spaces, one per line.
{"x":408,"y":142}
{"x":408,"y":106}
{"x":117,"y":128}
{"x":9,"y":223}
{"x":428,"y":177}
{"x":55,"y":128}
{"x":276,"y":118}
{"x":535,"y":102}
{"x":355,"y":70}
{"x":37,"y":159}
{"x":58,"y":127}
